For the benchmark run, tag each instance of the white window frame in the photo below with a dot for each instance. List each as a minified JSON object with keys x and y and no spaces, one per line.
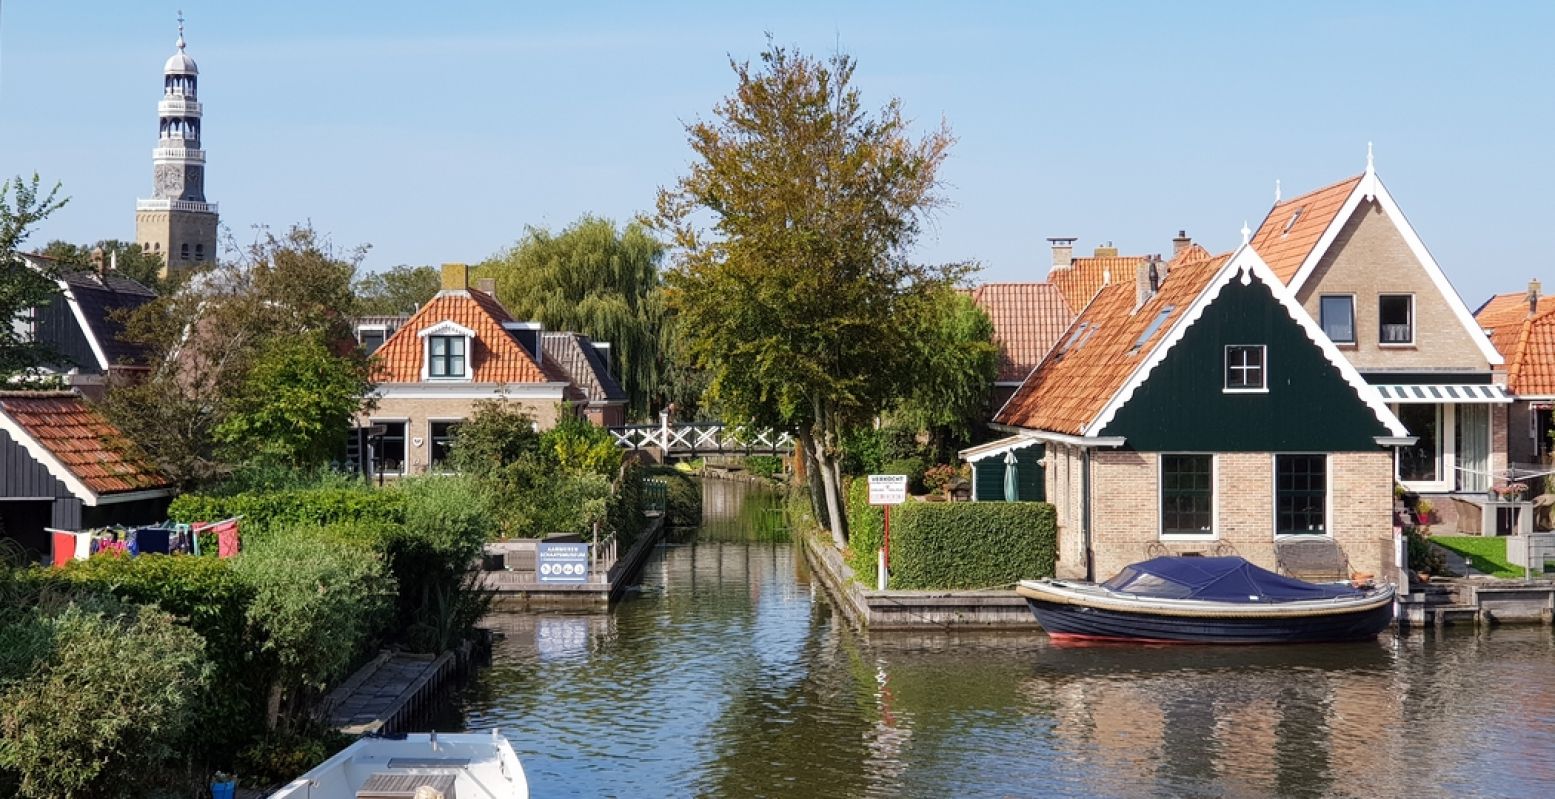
{"x":1414,"y":321}
{"x":1355,"y":327}
{"x":1214,"y":500}
{"x":405,"y":461}
{"x":1263,"y":370}
{"x":1447,"y":445}
{"x":1274,"y":494}
{"x":447,"y":328}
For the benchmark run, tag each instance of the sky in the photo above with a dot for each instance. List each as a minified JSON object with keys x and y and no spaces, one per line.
{"x":437,"y":132}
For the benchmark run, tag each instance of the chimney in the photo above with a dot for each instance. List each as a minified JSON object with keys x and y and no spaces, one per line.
{"x":1063,"y":252}
{"x":1147,"y":280}
{"x":1106,"y":251}
{"x":1180,"y":243}
{"x":456,"y":277}
{"x":487,"y":285}
{"x":97,"y":260}
{"x":1533,"y":296}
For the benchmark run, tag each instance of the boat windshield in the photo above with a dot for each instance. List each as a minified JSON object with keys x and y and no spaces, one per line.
{"x":1229,"y":579}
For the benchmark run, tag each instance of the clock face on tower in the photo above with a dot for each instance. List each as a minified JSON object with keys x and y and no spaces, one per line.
{"x":194,"y":183}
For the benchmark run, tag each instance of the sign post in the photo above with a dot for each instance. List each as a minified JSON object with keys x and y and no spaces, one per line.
{"x":886,"y":490}
{"x":562,"y":563}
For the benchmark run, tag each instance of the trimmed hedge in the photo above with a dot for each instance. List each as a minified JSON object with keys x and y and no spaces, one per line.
{"x":865,"y":531}
{"x":938,"y":545}
{"x":294,"y":507}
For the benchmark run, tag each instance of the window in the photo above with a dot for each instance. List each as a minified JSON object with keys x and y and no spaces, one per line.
{"x":1300,"y":494}
{"x":183,"y":251}
{"x":390,"y":452}
{"x":442,"y":435}
{"x":1245,"y":367}
{"x":1419,"y":462}
{"x":1396,"y":317}
{"x":1338,"y":318}
{"x":1187,"y":494}
{"x":445,"y":356}
{"x":1155,"y":324}
{"x":199,"y":252}
{"x":371,"y":339}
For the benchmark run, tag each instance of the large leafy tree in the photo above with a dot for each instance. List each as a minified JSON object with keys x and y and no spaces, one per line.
{"x":599,"y":280}
{"x":126,"y":258}
{"x":23,"y":289}
{"x":792,"y":229}
{"x":292,"y":406}
{"x":400,"y":290}
{"x":216,"y":350}
{"x":954,"y":371}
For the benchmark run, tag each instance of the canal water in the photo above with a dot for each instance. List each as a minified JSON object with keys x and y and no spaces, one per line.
{"x":731,"y":675}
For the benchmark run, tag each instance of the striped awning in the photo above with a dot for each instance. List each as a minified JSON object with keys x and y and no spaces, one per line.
{"x":1444,"y":393}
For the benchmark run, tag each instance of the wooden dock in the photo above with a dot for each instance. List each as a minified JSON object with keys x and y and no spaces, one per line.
{"x":608,"y":579}
{"x":392,"y":691}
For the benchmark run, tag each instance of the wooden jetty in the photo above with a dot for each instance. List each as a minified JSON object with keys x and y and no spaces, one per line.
{"x":392,"y":692}
{"x":609,"y":574}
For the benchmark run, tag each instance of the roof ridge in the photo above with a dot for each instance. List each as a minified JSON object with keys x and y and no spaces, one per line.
{"x":1304,"y":195}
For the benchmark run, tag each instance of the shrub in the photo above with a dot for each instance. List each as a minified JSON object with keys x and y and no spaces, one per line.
{"x":868,"y":450}
{"x":282,"y":755}
{"x":577,"y":446}
{"x":937,"y":478}
{"x":497,"y":433}
{"x":768,"y":466}
{"x":684,"y":496}
{"x":865,"y":531}
{"x":942,"y":545}
{"x":107,"y":708}
{"x":265,"y":510}
{"x":913,"y":467}
{"x":447,"y":521}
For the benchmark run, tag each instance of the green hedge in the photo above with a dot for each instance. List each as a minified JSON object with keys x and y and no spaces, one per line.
{"x":936,"y":545}
{"x":865,"y":531}
{"x":294,"y":507}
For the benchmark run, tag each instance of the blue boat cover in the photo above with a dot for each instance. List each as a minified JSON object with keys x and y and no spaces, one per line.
{"x":1218,"y":580}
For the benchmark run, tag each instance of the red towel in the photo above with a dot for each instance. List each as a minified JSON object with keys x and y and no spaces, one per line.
{"x":227,"y":541}
{"x":64,"y":547}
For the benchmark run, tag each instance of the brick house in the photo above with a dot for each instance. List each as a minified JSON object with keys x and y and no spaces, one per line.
{"x":1357,"y":266}
{"x":586,"y":363}
{"x":64,"y":465}
{"x":459,"y":348}
{"x":1197,"y":407}
{"x":1522,"y":327}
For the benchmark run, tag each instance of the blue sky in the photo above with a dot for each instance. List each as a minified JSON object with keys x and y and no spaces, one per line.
{"x":436,"y":132}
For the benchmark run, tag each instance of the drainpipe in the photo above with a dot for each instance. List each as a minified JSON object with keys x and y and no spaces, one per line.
{"x":1085,"y":511}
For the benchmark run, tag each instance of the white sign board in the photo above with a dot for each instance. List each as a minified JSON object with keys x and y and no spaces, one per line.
{"x":887,"y":489}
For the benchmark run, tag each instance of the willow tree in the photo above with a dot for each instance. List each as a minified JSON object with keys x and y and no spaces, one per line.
{"x":596,"y":280}
{"x":792,"y":229}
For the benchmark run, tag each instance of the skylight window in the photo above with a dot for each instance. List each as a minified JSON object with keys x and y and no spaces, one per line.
{"x":1073,"y":337}
{"x":1293,"y":217}
{"x":1155,"y":324}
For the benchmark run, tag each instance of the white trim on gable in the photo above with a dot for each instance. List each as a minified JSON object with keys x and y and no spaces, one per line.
{"x":1370,"y":188}
{"x":60,"y":472}
{"x":447,"y":327}
{"x":86,"y":329}
{"x":1244,"y":265}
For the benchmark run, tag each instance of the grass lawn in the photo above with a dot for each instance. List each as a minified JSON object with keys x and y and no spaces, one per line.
{"x":1486,"y":553}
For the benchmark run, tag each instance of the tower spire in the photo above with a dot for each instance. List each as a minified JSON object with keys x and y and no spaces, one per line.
{"x":176,"y":222}
{"x":180,"y":30}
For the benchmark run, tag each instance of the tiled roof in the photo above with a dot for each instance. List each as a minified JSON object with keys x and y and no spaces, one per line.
{"x":494,"y":356}
{"x":1293,"y":226}
{"x":574,"y":354}
{"x":1080,"y":281}
{"x":1526,"y":342}
{"x":102,"y":298}
{"x":1027,"y":318}
{"x":1077,"y":380}
{"x":82,"y":440}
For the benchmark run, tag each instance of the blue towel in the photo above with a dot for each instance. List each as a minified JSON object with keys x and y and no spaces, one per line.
{"x":152,"y":540}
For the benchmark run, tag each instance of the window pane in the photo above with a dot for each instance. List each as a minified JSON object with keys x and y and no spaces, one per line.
{"x":1418,"y":463}
{"x":1338,"y":314}
{"x":1394,"y":316}
{"x":1187,"y":495}
{"x":1244,"y":366}
{"x":439,"y":346}
{"x":391,"y":448}
{"x":1301,"y":494}
{"x":442,"y":435}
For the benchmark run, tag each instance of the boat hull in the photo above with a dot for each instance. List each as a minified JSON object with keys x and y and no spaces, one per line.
{"x":1076,"y":613}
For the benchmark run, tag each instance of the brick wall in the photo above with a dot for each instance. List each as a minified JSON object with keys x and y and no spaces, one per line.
{"x":419,"y":413}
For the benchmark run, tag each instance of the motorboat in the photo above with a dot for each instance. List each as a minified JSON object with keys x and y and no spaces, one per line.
{"x":1207,"y":600}
{"x":414,"y":766}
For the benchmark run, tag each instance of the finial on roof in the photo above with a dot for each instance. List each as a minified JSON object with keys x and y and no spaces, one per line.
{"x":1370,"y":166}
{"x":180,"y":29}
{"x":1276,"y":189}
{"x":1247,"y":234}
{"x":1106,"y":277}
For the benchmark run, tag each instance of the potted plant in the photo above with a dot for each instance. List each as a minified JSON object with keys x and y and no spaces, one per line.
{"x":1423,"y":512}
{"x":1510,"y":492}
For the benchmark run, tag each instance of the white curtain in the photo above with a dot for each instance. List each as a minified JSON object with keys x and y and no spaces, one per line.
{"x":1473,"y":447}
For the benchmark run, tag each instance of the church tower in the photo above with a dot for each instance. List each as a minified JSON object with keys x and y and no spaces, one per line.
{"x":176,"y":222}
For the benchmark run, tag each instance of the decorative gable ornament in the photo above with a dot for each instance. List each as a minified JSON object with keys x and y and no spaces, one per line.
{"x":447,"y":327}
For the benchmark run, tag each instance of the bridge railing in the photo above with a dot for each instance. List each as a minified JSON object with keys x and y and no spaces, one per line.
{"x":703,"y":437}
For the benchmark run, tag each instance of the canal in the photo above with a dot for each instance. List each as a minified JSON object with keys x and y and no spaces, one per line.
{"x":730,"y":674}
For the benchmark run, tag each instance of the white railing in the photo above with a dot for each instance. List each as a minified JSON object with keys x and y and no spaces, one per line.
{"x":178,"y":108}
{"x":702,"y":438}
{"x":159,"y":204}
{"x":178,"y":154}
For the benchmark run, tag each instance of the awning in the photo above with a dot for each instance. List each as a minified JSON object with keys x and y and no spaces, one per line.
{"x":1444,"y":393}
{"x":999,"y":447}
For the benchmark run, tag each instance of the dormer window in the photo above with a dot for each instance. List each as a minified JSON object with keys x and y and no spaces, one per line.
{"x":447,"y":350}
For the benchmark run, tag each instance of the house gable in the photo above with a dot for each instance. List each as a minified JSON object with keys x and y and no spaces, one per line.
{"x":494,"y":355}
{"x":1308,"y":405}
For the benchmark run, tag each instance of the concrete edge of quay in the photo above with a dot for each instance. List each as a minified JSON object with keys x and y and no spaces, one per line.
{"x":946,"y":611}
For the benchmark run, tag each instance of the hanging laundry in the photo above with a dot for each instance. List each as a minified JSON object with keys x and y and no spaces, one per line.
{"x":63,"y":545}
{"x":83,"y":545}
{"x":228,"y":542}
{"x":153,"y":540}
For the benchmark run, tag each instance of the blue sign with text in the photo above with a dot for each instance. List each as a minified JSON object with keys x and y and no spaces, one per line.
{"x":562,"y":563}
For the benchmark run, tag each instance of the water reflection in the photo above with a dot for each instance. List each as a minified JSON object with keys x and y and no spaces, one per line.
{"x":730,"y":675}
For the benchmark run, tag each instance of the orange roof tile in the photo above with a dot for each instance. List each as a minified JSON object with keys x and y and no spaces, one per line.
{"x":82,"y":440}
{"x":1526,"y":342}
{"x":1080,"y":281}
{"x":1293,"y":226}
{"x":494,"y":357}
{"x":1069,"y":388}
{"x":1027,"y":318}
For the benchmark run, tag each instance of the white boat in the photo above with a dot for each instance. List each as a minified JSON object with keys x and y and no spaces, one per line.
{"x":464,"y":766}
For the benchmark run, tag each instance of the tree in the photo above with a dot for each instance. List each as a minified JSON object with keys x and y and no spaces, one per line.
{"x":400,"y":290}
{"x":596,"y":280}
{"x":294,"y":404}
{"x":23,"y":288}
{"x":495,"y":434}
{"x":798,"y":299}
{"x":205,"y":339}
{"x":126,"y":258}
{"x":954,"y":370}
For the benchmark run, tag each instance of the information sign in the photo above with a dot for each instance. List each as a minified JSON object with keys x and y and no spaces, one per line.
{"x":562,"y":563}
{"x":887,"y":489}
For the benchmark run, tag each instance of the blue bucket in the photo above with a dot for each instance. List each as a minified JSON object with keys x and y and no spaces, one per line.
{"x":224,"y":790}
